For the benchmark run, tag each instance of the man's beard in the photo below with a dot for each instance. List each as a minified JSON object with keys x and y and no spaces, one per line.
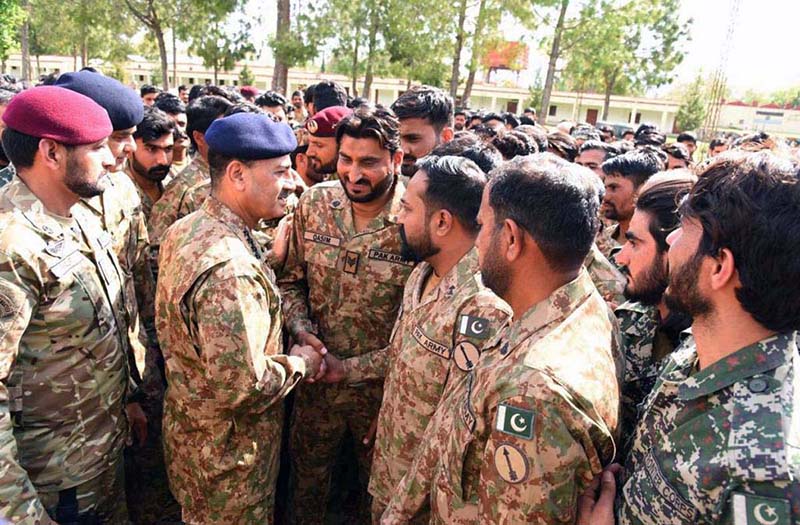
{"x":494,"y":272}
{"x":650,"y":285}
{"x":154,"y":174}
{"x":323,"y":170}
{"x":409,"y":168}
{"x":418,"y":252}
{"x":458,"y":127}
{"x":682,"y":295}
{"x":376,"y":192}
{"x":610,"y":211}
{"x":79,"y":186}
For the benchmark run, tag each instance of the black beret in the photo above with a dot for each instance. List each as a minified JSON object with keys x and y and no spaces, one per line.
{"x":122,"y":104}
{"x":250,"y":136}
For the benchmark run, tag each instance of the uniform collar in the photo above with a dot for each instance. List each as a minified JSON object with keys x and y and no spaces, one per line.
{"x":215,"y":208}
{"x":463,"y":271}
{"x":22,"y":198}
{"x":751,"y":360}
{"x":558,"y":305}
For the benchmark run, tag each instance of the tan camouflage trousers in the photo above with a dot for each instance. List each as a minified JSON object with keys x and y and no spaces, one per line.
{"x":102,"y":497}
{"x":321,"y":418}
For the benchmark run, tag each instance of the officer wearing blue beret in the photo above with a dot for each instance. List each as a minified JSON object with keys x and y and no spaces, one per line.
{"x":219,"y":324}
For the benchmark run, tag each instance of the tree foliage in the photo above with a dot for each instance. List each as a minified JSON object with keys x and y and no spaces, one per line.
{"x":11,"y":16}
{"x":692,"y":110}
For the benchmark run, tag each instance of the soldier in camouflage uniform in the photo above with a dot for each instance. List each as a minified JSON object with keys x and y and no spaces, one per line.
{"x":342,"y":287}
{"x":200,"y":114}
{"x":446,"y":317}
{"x":605,"y":276}
{"x":219,"y":323}
{"x":717,"y":439}
{"x":64,"y":341}
{"x":527,"y":429}
{"x":624,"y":175}
{"x":650,"y":331}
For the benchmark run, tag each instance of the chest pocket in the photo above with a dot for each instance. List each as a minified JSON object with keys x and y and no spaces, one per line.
{"x":387,"y":267}
{"x":321,"y":250}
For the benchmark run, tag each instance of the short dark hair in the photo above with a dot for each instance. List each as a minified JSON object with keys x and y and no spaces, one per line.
{"x":648,"y":135}
{"x":717,"y":142}
{"x":660,"y":197}
{"x":297,"y":93}
{"x":202,"y":112}
{"x":529,"y":110}
{"x":327,"y":94}
{"x":271,"y":99}
{"x":564,"y":144}
{"x":243,"y":107}
{"x":182,"y":87}
{"x":460,"y":112}
{"x":610,"y":150}
{"x":547,"y":196}
{"x":686,"y":136}
{"x":371,"y":122}
{"x":357,"y":102}
{"x":605,"y":128}
{"x":195,"y":92}
{"x":169,"y":103}
{"x":511,"y":119}
{"x":154,"y":125}
{"x":750,"y":204}
{"x":466,"y":144}
{"x":147,"y":89}
{"x":759,"y":141}
{"x":455,"y":184}
{"x":677,"y":150}
{"x":430,"y":103}
{"x":20,"y":148}
{"x":637,"y":166}
{"x":537,"y":133}
{"x":514,"y":144}
{"x":586,"y":132}
{"x":486,"y":117}
{"x":308,"y":94}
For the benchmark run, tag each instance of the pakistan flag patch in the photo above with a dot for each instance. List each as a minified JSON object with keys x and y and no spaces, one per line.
{"x":515,"y":421}
{"x":757,"y":510}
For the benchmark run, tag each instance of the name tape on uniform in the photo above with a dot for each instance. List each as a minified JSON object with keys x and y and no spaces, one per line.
{"x":430,"y":345}
{"x":380,"y":255}
{"x":322,"y":238}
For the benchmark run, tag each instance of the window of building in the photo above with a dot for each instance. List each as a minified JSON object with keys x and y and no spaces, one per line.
{"x":638,"y":118}
{"x":551,"y":112}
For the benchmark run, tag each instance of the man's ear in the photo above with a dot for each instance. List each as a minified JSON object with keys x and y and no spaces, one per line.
{"x":235,"y":173}
{"x":51,"y":153}
{"x":723,"y":271}
{"x":442,"y":222}
{"x":512,"y":239}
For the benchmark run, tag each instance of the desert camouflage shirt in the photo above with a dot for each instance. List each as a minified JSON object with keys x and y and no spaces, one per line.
{"x":344,"y":285}
{"x":63,"y":352}
{"x":718,"y":445}
{"x":607,"y":243}
{"x":524,"y":433}
{"x":436,"y":339}
{"x":606,"y":277}
{"x":219,"y":325}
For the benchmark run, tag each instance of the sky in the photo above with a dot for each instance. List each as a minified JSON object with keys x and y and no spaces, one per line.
{"x":762,"y":55}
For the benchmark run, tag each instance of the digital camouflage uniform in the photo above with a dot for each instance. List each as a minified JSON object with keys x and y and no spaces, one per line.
{"x":219,"y":323}
{"x":168,"y":208}
{"x":718,"y":445}
{"x":644,"y":345}
{"x":607,"y":242}
{"x":435,"y":341}
{"x":606,"y":277}
{"x":346,"y":287}
{"x":524,"y":433}
{"x":6,"y":174}
{"x":63,"y":363}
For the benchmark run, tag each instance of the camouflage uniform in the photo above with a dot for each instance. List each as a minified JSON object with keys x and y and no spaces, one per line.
{"x":607,"y":243}
{"x":433,"y":343}
{"x":176,"y":168}
{"x":6,"y":174}
{"x":63,"y":362}
{"x":718,"y":445}
{"x":147,"y":202}
{"x":219,"y":323}
{"x":606,"y":277}
{"x":524,"y":433}
{"x":168,"y":208}
{"x":346,"y":286}
{"x":645,"y":345}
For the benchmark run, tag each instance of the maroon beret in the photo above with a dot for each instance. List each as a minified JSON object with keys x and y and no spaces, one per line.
{"x":59,"y":114}
{"x":248,"y":91}
{"x":323,"y":124}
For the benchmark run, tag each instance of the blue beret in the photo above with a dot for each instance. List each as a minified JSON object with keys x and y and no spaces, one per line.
{"x":122,"y":104}
{"x":250,"y":136}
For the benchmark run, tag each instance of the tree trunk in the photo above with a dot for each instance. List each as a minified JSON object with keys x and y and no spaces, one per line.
{"x":174,"y":58}
{"x":280,"y":74}
{"x":462,"y":16}
{"x":24,"y":43}
{"x":373,"y":42}
{"x":216,"y":72}
{"x":555,"y":50}
{"x":610,"y":82}
{"x":476,"y":50}
{"x":158,"y":32}
{"x":354,"y":65}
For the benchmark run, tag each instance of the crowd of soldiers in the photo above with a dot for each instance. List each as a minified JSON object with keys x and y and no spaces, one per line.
{"x":221,"y":307}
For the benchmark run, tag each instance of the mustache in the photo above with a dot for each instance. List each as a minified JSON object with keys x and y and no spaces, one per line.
{"x":158,"y":170}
